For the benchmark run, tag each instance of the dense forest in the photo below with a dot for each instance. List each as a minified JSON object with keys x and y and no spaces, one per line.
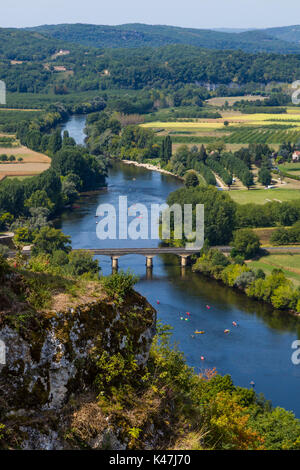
{"x":136,"y":35}
{"x":34,"y":63}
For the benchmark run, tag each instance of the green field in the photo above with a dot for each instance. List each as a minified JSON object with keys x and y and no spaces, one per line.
{"x":18,"y":177}
{"x":273,"y":129}
{"x":261,"y":196}
{"x":289,"y":263}
{"x":293,"y":168}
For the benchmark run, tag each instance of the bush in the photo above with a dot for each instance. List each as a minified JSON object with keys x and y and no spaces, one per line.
{"x":232,"y":272}
{"x":118,"y":285}
{"x":245,"y":279}
{"x":49,"y":240}
{"x":266,"y":289}
{"x":59,"y":258}
{"x":23,"y":235}
{"x":81,"y":263}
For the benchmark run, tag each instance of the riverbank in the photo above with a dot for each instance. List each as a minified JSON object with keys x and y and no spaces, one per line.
{"x":148,"y":166}
{"x":274,"y":288}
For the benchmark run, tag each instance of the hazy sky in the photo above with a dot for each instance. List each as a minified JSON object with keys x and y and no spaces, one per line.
{"x":192,"y":13}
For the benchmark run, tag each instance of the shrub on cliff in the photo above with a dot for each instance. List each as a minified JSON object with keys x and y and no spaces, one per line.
{"x":81,"y":263}
{"x":118,"y":285}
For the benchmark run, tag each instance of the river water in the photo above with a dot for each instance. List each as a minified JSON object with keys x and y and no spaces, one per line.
{"x":258,"y":350}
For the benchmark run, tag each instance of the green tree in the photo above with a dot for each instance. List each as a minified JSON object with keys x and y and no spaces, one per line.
{"x":191,"y":179}
{"x":39,"y":199}
{"x":245,"y":243}
{"x":49,"y":239}
{"x":264,"y":176}
{"x":55,"y":142}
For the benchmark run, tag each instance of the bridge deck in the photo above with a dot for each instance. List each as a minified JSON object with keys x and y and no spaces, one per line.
{"x":147,"y":251}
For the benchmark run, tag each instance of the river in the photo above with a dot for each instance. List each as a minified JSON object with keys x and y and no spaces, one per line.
{"x":258,"y":350}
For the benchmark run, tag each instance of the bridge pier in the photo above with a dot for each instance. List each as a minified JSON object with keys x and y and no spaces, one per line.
{"x":149,"y":261}
{"x":184,"y":260}
{"x":114,"y":263}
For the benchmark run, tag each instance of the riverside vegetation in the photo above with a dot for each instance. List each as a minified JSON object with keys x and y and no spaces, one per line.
{"x":120,"y":402}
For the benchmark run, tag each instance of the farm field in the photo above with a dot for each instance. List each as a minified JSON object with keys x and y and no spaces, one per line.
{"x":289,"y":263}
{"x":261,"y":196}
{"x":33,"y":162}
{"x":221,"y":100}
{"x":242,"y":129}
{"x":293,"y":168}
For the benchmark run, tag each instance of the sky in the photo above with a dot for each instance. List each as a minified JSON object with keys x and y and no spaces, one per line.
{"x":187,"y":13}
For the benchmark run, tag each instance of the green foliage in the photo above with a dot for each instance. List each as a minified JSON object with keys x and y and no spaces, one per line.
{"x":115,"y":371}
{"x":238,"y":168}
{"x":77,"y":161}
{"x":231,"y":417}
{"x":218,"y":207}
{"x":233,"y":272}
{"x":279,"y":427}
{"x":283,"y":236}
{"x":264,"y":176}
{"x":39,"y":199}
{"x":218,"y":168}
{"x":59,"y":258}
{"x":191,"y":179}
{"x":48,"y":240}
{"x":81,"y":263}
{"x":269,"y":214}
{"x":6,"y":220}
{"x":23,"y":235}
{"x":245,"y":279}
{"x":2,"y":428}
{"x":281,"y":40}
{"x":119,"y":285}
{"x":276,"y":289}
{"x":166,"y":150}
{"x":245,"y":243}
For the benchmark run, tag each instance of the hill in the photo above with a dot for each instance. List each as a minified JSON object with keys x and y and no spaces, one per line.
{"x":286,"y":33}
{"x":138,"y":35}
{"x":17,"y":44}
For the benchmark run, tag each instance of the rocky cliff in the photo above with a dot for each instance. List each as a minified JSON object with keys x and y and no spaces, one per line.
{"x":51,"y":366}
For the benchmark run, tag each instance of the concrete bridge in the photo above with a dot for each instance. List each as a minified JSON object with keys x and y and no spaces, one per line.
{"x":149,"y":253}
